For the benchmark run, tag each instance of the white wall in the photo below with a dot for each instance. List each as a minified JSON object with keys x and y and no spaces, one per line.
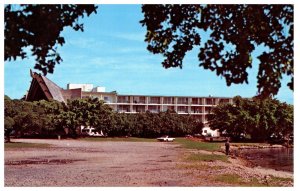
{"x":99,"y":89}
{"x":84,"y":87}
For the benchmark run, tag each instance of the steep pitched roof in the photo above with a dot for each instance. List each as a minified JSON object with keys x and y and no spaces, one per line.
{"x":43,"y":88}
{"x":55,"y":90}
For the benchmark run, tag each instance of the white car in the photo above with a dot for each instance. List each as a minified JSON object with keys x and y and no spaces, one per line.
{"x":166,"y":139}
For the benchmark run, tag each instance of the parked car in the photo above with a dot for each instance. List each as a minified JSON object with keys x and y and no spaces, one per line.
{"x":165,"y":139}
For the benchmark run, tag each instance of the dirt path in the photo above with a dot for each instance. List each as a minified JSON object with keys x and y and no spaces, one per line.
{"x":83,"y":163}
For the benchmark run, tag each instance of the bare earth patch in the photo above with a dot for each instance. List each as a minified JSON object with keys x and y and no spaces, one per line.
{"x":85,"y":163}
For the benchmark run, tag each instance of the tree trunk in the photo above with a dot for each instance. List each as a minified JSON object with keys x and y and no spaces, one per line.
{"x":7,"y":135}
{"x":8,"y":138}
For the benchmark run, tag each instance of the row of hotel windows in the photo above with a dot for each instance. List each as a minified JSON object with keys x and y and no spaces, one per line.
{"x":158,"y":108}
{"x":169,"y":100}
{"x":161,"y":100}
{"x":200,"y":111}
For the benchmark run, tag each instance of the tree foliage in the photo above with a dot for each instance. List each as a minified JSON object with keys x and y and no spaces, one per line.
{"x":30,"y":118}
{"x":39,"y":28}
{"x":43,"y":118}
{"x":234,"y":32}
{"x":173,"y":30}
{"x":84,"y":112}
{"x":258,"y":119}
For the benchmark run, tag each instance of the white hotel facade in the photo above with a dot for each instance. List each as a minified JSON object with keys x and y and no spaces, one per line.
{"x":198,"y":107}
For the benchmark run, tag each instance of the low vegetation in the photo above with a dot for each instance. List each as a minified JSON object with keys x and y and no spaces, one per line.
{"x":18,"y":145}
{"x":234,"y":179}
{"x":207,"y":157}
{"x":252,"y":145}
{"x":257,"y":120}
{"x":254,"y":119}
{"x":119,"y":139}
{"x":191,"y":144}
{"x":43,"y":118}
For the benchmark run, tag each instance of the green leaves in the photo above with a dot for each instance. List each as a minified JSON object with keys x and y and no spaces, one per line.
{"x":40,"y":26}
{"x":234,"y":30}
{"x":260,"y":119}
{"x":30,"y":117}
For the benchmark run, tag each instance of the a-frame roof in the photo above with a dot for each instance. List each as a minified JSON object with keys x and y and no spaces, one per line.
{"x":43,"y":88}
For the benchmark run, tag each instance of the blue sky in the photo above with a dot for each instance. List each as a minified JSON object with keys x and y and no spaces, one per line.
{"x":111,"y":52}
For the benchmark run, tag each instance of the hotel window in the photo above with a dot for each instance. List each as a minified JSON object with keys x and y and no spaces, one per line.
{"x":182,"y":100}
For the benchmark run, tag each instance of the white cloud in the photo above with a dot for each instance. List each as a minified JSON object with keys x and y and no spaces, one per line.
{"x":84,"y":42}
{"x":130,"y":36}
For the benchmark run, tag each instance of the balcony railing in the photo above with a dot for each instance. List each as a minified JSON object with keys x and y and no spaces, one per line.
{"x":181,"y":111}
{"x":123,"y":101}
{"x":154,"y":102}
{"x":169,"y":102}
{"x":183,"y":102}
{"x":139,"y":101}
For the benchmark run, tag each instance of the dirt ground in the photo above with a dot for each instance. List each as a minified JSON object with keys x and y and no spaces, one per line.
{"x":83,"y":163}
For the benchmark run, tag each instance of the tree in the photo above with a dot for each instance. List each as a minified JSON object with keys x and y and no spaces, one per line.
{"x":229,"y":120}
{"x":285,"y":120}
{"x":85,"y":112}
{"x":8,"y":127}
{"x":22,"y":117}
{"x":234,"y":32}
{"x":48,"y":112}
{"x":39,"y":28}
{"x":258,"y":119}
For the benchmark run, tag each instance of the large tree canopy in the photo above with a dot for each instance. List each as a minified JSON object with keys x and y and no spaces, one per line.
{"x":235,"y":31}
{"x":259,"y":119}
{"x":39,"y":27}
{"x":173,"y":30}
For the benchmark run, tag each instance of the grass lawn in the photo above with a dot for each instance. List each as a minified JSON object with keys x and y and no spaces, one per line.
{"x":18,"y":145}
{"x":190,"y":144}
{"x":258,"y":145}
{"x":234,"y":179}
{"x":117,"y":139}
{"x":207,"y":157}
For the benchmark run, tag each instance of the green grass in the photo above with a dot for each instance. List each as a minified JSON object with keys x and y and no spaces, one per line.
{"x":228,"y":178}
{"x":117,"y":139}
{"x":198,"y":166}
{"x":250,"y":144}
{"x":207,"y":157}
{"x":190,"y":144}
{"x":19,"y":145}
{"x":276,"y":181}
{"x":274,"y":178}
{"x":235,"y":179}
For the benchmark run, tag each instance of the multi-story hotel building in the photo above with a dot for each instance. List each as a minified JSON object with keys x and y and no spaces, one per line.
{"x":43,"y":88}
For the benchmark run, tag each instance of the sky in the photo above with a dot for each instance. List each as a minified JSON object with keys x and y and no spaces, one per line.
{"x":111,"y":52}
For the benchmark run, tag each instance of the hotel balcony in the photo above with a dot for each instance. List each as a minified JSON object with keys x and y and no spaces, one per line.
{"x":154,"y":108}
{"x":169,"y":100}
{"x":197,"y":101}
{"x":123,"y":99}
{"x":196,"y":109}
{"x":154,"y":100}
{"x":210,"y":101}
{"x":139,"y":100}
{"x":138,"y":109}
{"x":182,"y":101}
{"x":182,"y":109}
{"x":166,"y":108}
